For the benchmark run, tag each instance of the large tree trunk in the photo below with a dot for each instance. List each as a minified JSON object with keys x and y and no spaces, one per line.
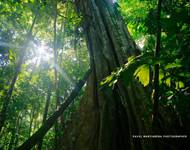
{"x":108,"y":118}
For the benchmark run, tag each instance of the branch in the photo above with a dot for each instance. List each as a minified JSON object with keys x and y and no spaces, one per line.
{"x":36,"y":137}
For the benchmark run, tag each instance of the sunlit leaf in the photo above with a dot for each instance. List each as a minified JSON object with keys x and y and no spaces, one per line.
{"x":142,"y":74}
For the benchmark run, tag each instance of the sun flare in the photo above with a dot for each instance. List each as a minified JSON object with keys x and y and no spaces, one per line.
{"x":43,"y":52}
{"x":40,"y":52}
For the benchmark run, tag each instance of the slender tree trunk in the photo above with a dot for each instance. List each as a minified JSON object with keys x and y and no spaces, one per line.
{"x":56,"y":67}
{"x":45,"y":113}
{"x":31,"y":120}
{"x":156,"y":69}
{"x":3,"y":113}
{"x":155,"y":94}
{"x":108,"y":118}
{"x":14,"y":135}
{"x":12,"y":139}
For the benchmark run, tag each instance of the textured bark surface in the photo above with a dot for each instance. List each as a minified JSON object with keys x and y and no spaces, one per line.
{"x":107,"y":118}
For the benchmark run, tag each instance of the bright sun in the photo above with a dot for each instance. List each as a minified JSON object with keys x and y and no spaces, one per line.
{"x":43,"y":53}
{"x":40,"y":52}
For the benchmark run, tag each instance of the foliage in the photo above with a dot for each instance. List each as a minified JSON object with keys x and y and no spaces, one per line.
{"x":174,"y":81}
{"x":28,"y":100}
{"x":26,"y":108}
{"x":135,"y":67}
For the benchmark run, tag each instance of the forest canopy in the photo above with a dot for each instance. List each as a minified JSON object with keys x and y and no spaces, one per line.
{"x":92,"y":74}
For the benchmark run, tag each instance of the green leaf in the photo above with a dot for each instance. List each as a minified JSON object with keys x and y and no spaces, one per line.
{"x":168,"y":82}
{"x":142,"y":74}
{"x":179,"y":85}
{"x":173,"y":65}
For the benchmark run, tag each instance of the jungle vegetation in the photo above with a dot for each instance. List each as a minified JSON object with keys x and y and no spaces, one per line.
{"x":94,"y":74}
